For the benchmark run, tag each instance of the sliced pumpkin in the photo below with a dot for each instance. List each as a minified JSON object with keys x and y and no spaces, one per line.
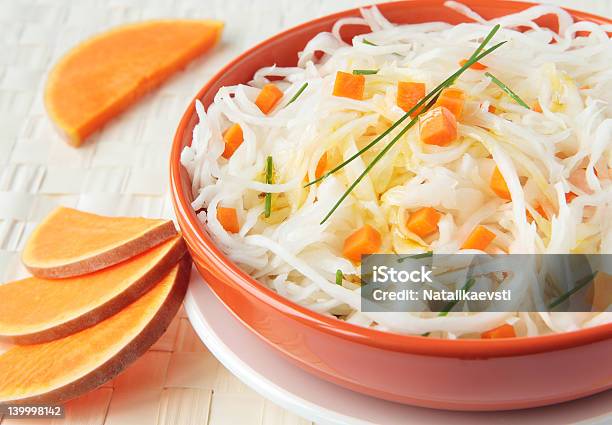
{"x":71,"y":242}
{"x":44,"y":309}
{"x":101,"y":77}
{"x":59,"y":370}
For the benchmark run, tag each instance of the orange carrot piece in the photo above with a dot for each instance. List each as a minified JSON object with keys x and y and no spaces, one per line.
{"x":492,"y":109}
{"x":321,"y":166}
{"x":503,"y":331}
{"x":539,"y":210}
{"x":424,"y":221}
{"x":602,"y":291}
{"x":349,"y":85}
{"x":475,"y":66}
{"x":233,"y":138}
{"x":570,"y":196}
{"x":452,"y":99}
{"x":499,"y":186}
{"x":363,"y":241}
{"x":268,"y":97}
{"x":438,"y":127}
{"x":480,"y":238}
{"x":228,"y":219}
{"x":409,"y":94}
{"x":536,"y":106}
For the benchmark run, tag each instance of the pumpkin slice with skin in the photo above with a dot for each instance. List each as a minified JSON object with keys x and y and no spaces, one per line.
{"x":59,"y":370}
{"x":71,"y":242}
{"x":101,"y":77}
{"x":45,"y":309}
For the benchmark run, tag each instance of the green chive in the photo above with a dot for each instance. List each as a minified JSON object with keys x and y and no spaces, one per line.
{"x":433,"y":94}
{"x":369,"y":43}
{"x":339,"y":277}
{"x":448,"y":307}
{"x":505,"y":88}
{"x":269,"y":171}
{"x":416,"y":256}
{"x":473,"y":59}
{"x":579,"y":285}
{"x":364,"y":71}
{"x":299,"y":92}
{"x":485,"y":42}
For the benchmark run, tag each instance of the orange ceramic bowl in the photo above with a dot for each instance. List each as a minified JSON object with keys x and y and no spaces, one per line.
{"x":462,"y":375}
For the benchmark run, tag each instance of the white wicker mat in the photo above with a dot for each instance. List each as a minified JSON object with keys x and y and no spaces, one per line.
{"x":123,"y":171}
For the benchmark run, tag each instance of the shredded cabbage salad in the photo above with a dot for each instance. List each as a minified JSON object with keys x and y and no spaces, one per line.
{"x":561,"y":145}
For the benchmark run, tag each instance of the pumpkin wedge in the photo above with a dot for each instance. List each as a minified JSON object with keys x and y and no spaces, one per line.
{"x":71,"y":242}
{"x":40,"y":309}
{"x":56,"y":371}
{"x":99,"y":78}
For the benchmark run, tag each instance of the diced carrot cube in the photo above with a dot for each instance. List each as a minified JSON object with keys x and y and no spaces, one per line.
{"x":349,"y":85}
{"x":452,"y":99}
{"x":499,"y":186}
{"x":233,"y":138}
{"x":503,"y":331}
{"x":363,"y":241}
{"x":570,"y":196}
{"x":476,"y":65}
{"x":480,"y":238}
{"x":438,"y":127}
{"x":268,"y":97}
{"x":409,"y":94}
{"x":424,"y":221}
{"x":228,"y":219}
{"x":602,"y":292}
{"x":492,"y":109}
{"x":321,"y":166}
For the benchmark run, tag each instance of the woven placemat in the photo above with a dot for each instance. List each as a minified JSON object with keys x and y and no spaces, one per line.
{"x":123,"y":170}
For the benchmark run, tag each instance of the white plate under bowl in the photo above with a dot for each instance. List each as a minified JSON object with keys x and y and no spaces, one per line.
{"x":267,"y":372}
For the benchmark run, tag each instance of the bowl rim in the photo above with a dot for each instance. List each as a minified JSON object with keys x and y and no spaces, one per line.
{"x":193,"y":231}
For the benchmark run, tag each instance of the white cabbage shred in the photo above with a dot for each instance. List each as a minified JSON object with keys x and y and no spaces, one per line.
{"x":541,"y":155}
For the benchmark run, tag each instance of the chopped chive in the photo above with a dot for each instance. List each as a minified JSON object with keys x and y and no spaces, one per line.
{"x":505,"y":88}
{"x":269,"y":171}
{"x":339,"y":277}
{"x":579,"y":285}
{"x":416,"y":256}
{"x":364,"y":71}
{"x":448,"y":307}
{"x":450,"y":80}
{"x":433,"y":95}
{"x":297,"y":94}
{"x":369,"y":43}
